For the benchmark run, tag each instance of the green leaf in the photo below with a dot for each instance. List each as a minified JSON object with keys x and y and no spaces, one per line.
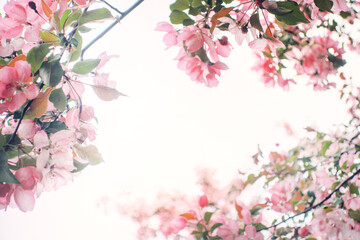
{"x":283,"y":231}
{"x":334,"y":185}
{"x":255,"y":22}
{"x":180,"y":5}
{"x":215,"y":238}
{"x":74,"y":16}
{"x":324,"y":5}
{"x":280,"y":11}
{"x":345,"y":14}
{"x":324,"y":147}
{"x":84,"y":29}
{"x":188,"y":22}
{"x":26,"y":161}
{"x":251,"y":179}
{"x":255,"y":210}
{"x":178,"y":17}
{"x":64,"y":17}
{"x":89,"y":153}
{"x":6,"y":175}
{"x":79,"y":166}
{"x":215,"y":226}
{"x":18,"y":150}
{"x":196,"y":3}
{"x":354,"y":189}
{"x":56,"y":22}
{"x":259,"y":226}
{"x":36,"y":56}
{"x":49,"y":37}
{"x":352,"y":167}
{"x":58,"y":98}
{"x":289,"y":13}
{"x":337,"y":62}
{"x":86,"y":66}
{"x":2,"y":140}
{"x":76,"y":54}
{"x":16,"y":140}
{"x":51,"y":73}
{"x":207,"y":216}
{"x":55,"y":126}
{"x":95,"y":15}
{"x":200,"y":227}
{"x":354,"y":215}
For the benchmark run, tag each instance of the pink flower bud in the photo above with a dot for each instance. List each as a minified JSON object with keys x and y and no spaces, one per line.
{"x":303,"y":231}
{"x":203,"y":201}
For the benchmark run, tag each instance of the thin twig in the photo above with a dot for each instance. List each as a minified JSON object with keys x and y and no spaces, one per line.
{"x":112,"y":7}
{"x":21,"y":117}
{"x":124,"y":14}
{"x":317,"y":205}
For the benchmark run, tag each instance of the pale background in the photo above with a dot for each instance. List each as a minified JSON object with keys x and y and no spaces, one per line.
{"x":168,"y":125}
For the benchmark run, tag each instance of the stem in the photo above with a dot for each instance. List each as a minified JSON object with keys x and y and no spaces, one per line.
{"x":21,"y":117}
{"x":122,"y":15}
{"x":112,"y":7}
{"x":317,"y":205}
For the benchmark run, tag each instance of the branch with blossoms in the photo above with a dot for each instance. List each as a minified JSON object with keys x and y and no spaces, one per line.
{"x":318,"y":179}
{"x":308,"y":36}
{"x":46,"y":131}
{"x":337,"y":189}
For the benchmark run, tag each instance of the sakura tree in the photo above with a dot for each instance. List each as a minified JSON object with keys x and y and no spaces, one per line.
{"x":308,"y":192}
{"x":46,"y":129}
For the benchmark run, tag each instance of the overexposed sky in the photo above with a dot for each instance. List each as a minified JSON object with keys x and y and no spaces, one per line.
{"x":168,"y":125}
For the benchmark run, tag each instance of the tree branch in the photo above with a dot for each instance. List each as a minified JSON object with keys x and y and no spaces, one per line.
{"x":122,"y":15}
{"x":315,"y":206}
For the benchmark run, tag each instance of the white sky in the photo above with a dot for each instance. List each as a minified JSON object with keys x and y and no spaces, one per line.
{"x":168,"y":125}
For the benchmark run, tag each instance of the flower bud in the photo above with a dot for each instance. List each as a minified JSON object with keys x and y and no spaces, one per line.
{"x":203,"y":201}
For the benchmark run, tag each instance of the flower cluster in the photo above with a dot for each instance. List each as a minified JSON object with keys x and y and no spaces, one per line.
{"x":313,"y":186}
{"x":46,"y":130}
{"x":283,"y":34}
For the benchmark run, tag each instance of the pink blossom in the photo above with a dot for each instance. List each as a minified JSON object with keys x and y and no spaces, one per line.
{"x":340,"y":5}
{"x":193,"y":37}
{"x":175,"y":226}
{"x":81,"y":2}
{"x":87,"y":113}
{"x":281,"y":194}
{"x":15,"y":11}
{"x":41,"y":139}
{"x":303,"y":231}
{"x":24,"y":193}
{"x":203,"y":201}
{"x":13,"y":85}
{"x":240,"y":34}
{"x":62,"y":140}
{"x":171,"y":36}
{"x":6,"y":192}
{"x":223,"y":47}
{"x":10,"y":28}
{"x":251,"y":234}
{"x":104,"y":58}
{"x":27,"y":129}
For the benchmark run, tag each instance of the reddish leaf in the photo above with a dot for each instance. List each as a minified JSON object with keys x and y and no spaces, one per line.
{"x":39,"y":106}
{"x":238,"y":209}
{"x":188,"y":216}
{"x":46,"y":9}
{"x":222,"y":13}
